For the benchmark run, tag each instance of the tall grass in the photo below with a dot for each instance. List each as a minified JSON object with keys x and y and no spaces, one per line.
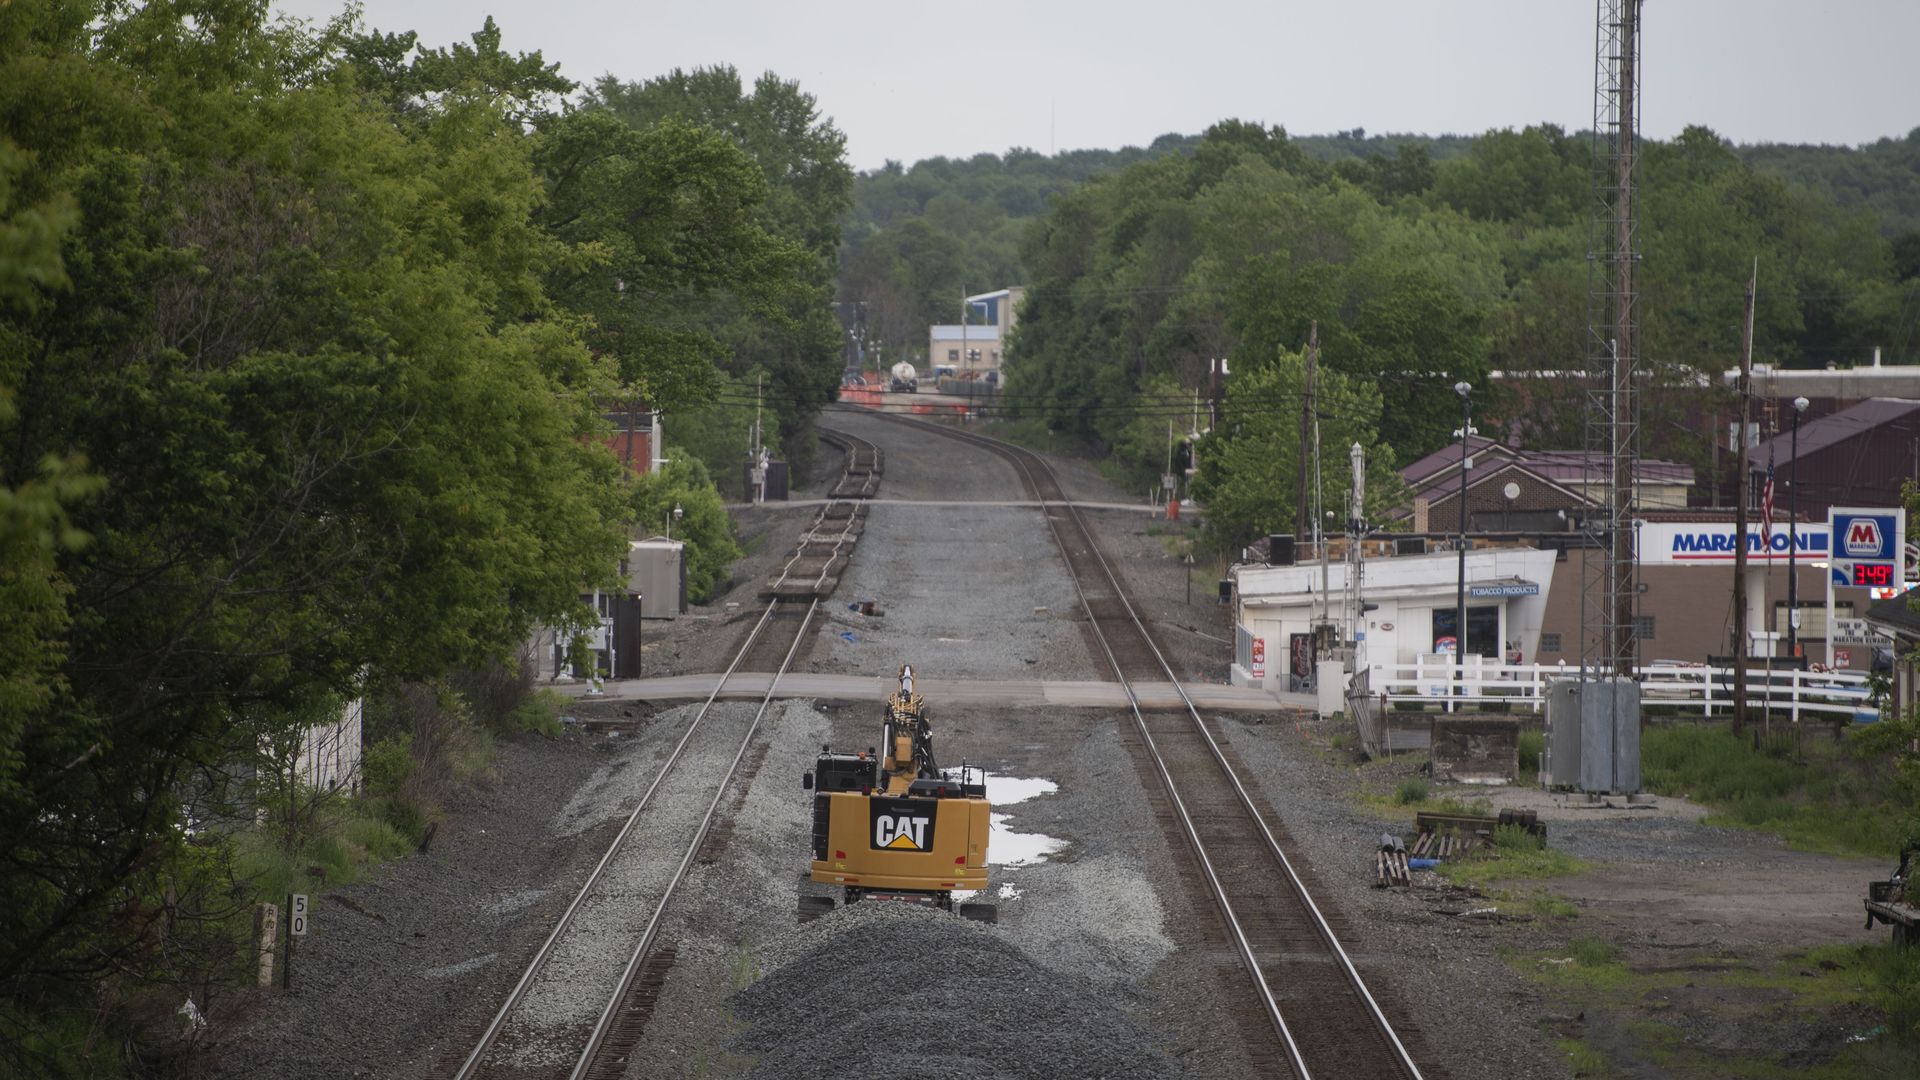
{"x":1532,"y":745}
{"x":539,"y":713}
{"x":344,"y":850}
{"x":1815,"y":794}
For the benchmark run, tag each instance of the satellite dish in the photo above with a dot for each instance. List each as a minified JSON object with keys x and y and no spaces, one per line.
{"x":1511,"y":491}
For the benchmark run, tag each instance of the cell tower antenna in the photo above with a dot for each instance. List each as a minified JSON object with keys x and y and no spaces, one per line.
{"x":1609,"y":582}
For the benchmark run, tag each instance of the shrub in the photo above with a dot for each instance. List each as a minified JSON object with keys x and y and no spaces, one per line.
{"x":1411,"y":790}
{"x":1516,"y":838}
{"x":402,"y":813}
{"x":387,"y":763}
{"x":538,"y":713}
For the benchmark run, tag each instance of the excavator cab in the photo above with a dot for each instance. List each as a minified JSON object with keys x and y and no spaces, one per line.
{"x":890,"y":824}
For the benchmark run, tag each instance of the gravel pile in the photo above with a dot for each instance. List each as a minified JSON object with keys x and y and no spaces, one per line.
{"x":890,"y":989}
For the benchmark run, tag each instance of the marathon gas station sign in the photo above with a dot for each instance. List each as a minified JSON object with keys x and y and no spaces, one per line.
{"x":1862,"y":546}
{"x":1681,"y":543}
{"x":1667,"y":542}
{"x":1868,"y":547}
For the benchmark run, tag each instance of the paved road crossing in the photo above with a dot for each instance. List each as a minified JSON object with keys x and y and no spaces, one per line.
{"x":1049,"y":692}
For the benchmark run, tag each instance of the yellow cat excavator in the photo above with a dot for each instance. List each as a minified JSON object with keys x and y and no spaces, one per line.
{"x":893,"y":825}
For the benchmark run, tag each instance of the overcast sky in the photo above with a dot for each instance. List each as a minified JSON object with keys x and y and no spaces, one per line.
{"x":907,"y":80}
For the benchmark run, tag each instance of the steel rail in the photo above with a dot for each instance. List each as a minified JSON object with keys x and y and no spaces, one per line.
{"x":473,"y":1061}
{"x":1320,"y":923}
{"x":612,"y":1011}
{"x":471,"y":1065}
{"x":1025,"y":461}
{"x":1234,"y":926}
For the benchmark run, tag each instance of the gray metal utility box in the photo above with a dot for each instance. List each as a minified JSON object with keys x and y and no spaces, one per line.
{"x":776,"y":481}
{"x":1610,"y":736}
{"x":1593,"y":736}
{"x":1560,"y":762}
{"x":657,"y":570}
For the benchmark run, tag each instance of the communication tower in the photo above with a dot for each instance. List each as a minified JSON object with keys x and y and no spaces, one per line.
{"x":1608,"y":582}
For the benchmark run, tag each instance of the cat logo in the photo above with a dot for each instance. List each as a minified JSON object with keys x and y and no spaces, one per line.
{"x":903,"y":824}
{"x":910,"y":833}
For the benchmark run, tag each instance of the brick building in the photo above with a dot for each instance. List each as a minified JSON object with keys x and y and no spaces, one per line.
{"x":1858,"y":456}
{"x":1531,"y":491}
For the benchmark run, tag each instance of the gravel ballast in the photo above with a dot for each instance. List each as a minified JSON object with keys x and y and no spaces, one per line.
{"x":899,"y":990}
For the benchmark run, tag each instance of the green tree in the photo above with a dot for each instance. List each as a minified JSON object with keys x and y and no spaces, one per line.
{"x":1249,"y":467}
{"x":339,"y":426}
{"x":664,"y":225}
{"x":787,"y":332}
{"x":703,"y":525}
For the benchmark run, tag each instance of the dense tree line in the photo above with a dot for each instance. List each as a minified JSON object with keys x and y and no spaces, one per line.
{"x":306,"y":334}
{"x":1423,"y":261}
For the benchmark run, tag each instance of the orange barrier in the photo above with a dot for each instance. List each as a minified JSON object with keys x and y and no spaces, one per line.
{"x":920,"y":408}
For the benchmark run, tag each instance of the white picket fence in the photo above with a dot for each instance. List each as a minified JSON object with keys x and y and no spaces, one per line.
{"x":1825,"y":696}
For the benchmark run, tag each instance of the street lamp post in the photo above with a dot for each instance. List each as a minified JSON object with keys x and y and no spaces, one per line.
{"x":1465,"y":390}
{"x":1793,"y":534}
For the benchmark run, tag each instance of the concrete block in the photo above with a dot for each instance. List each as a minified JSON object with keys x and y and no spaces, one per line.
{"x":1476,"y":749}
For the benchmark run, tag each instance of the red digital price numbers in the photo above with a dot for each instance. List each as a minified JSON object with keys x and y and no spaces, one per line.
{"x":1873,"y":575}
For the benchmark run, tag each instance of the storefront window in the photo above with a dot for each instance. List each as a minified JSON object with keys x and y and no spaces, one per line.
{"x":1483,"y":629}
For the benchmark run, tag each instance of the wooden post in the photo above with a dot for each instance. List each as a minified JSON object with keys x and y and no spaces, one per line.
{"x":1303,"y":523}
{"x":266,"y":928}
{"x":286,"y":962}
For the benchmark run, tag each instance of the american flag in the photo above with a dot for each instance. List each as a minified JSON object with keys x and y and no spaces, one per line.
{"x":1766,"y":508}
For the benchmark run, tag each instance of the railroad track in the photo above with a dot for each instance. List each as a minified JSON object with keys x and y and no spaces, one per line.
{"x":528,"y":1036}
{"x":1306,"y":990}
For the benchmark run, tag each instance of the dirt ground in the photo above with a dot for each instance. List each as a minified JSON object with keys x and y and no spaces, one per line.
{"x":1721,"y":946}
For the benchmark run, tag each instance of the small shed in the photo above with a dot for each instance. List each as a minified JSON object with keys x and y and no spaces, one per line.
{"x":657,"y":570}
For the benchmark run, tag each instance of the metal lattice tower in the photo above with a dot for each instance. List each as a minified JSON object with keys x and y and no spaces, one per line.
{"x":1608,"y":583}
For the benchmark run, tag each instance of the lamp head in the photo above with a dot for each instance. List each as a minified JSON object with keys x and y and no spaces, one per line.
{"x":1800,"y":404}
{"x":677,"y":512}
{"x":1463,"y":388}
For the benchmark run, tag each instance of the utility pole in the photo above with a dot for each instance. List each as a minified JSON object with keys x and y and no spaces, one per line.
{"x":1216,"y":370}
{"x":1356,"y":537}
{"x":1793,"y":535}
{"x":1320,"y":533}
{"x":759,"y":451}
{"x":1740,"y":515}
{"x":1300,"y":518}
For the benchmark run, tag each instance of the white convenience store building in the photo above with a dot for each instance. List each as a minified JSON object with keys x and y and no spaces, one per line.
{"x":1277,"y":607}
